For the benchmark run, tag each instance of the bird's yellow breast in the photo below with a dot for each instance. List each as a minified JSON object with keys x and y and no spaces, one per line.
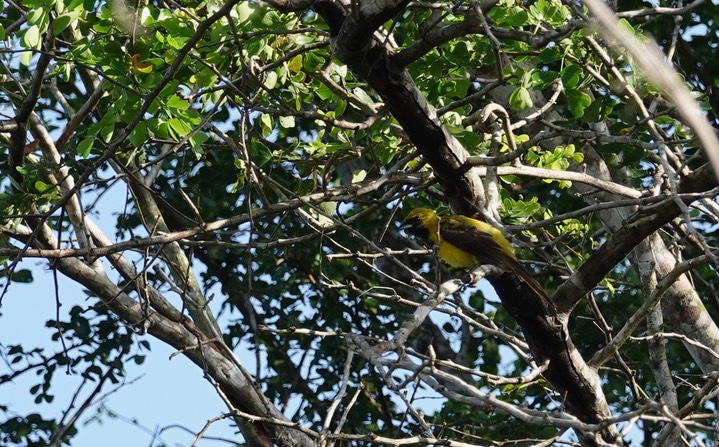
{"x":456,"y":257}
{"x":476,"y":241}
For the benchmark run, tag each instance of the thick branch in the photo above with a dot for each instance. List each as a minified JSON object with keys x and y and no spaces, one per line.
{"x":206,"y":353}
{"x":354,"y":45}
{"x":548,"y":339}
{"x":625,"y":239}
{"x":16,"y":151}
{"x":567,"y":371}
{"x":572,"y":176}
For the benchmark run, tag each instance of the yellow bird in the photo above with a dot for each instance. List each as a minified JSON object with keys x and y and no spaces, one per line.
{"x":466,"y":243}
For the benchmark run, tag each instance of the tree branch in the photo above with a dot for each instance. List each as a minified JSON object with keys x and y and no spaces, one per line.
{"x":623,"y":241}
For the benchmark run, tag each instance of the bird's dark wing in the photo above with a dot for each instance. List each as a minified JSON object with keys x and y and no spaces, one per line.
{"x":478,"y":243}
{"x":484,"y":246}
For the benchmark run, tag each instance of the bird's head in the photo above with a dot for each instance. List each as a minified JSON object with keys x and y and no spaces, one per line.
{"x":422,"y":223}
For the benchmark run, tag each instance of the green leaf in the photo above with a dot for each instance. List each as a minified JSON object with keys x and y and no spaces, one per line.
{"x":358,"y":175}
{"x":271,"y":80}
{"x":520,"y":99}
{"x":244,"y":11}
{"x":107,"y":132}
{"x":312,"y":61}
{"x":138,"y":136}
{"x":85,"y":146}
{"x":571,"y":74}
{"x":594,"y":112}
{"x":362,"y":94}
{"x":460,"y":88}
{"x":145,"y":16}
{"x":550,"y":54}
{"x":23,"y":276}
{"x":41,"y":186}
{"x":470,"y":140}
{"x":521,"y":211}
{"x":261,"y":154}
{"x":497,"y":13}
{"x":181,"y":127}
{"x":295,"y":64}
{"x":198,"y":139}
{"x":177,"y":42}
{"x":26,"y":58}
{"x":324,"y":92}
{"x":553,"y":12}
{"x":624,"y":23}
{"x":287,"y":122}
{"x":241,"y":168}
{"x":578,"y":101}
{"x":340,"y":107}
{"x":63,"y":21}
{"x":35,"y":16}
{"x":31,"y":38}
{"x":266,"y":124}
{"x":175,"y":102}
{"x":542,"y":79}
{"x":517,"y":17}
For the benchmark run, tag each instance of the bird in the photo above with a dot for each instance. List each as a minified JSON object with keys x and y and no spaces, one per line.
{"x":464,"y":242}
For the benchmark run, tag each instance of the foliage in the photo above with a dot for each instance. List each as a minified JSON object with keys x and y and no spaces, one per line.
{"x":258,"y":163}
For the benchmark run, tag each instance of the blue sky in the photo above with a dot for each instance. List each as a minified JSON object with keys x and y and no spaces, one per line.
{"x":160,"y":393}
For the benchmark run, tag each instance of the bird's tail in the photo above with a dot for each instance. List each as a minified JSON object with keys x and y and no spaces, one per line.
{"x":527,"y":278}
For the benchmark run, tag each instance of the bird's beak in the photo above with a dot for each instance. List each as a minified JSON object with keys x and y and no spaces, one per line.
{"x":409,"y":225}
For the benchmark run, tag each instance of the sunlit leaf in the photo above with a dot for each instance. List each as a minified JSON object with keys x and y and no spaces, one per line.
{"x":31,"y":38}
{"x":175,"y":102}
{"x":520,"y":99}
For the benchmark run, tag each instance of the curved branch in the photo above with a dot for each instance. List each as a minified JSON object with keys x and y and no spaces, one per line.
{"x":552,"y":174}
{"x":339,"y":194}
{"x":438,"y":37}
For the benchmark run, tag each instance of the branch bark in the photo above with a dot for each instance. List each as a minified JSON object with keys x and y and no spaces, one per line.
{"x":631,"y":232}
{"x":548,"y":338}
{"x":209,"y":354}
{"x":353,"y":42}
